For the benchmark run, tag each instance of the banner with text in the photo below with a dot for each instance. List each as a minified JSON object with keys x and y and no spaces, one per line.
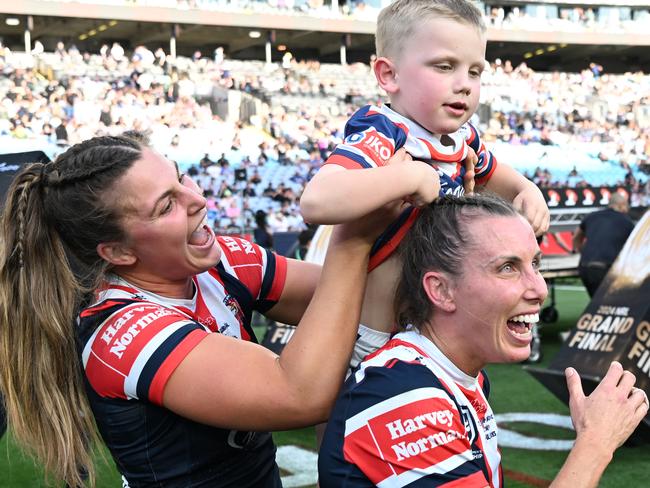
{"x":615,"y":325}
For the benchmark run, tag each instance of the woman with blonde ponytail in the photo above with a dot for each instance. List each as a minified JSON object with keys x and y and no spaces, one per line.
{"x":123,"y":316}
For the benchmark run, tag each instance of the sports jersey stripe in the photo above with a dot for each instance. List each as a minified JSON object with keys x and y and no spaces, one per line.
{"x":268,"y":274}
{"x":345,"y":161}
{"x":445,"y":155}
{"x":400,"y":352}
{"x":354,"y":154}
{"x":419,"y":133}
{"x":225,"y":262}
{"x":170,"y":351}
{"x":280,"y":278}
{"x":360,"y":420}
{"x":472,"y":137}
{"x":487,"y":165}
{"x":148,"y":352}
{"x":160,"y":377}
{"x":474,"y":480}
{"x":391,"y":237}
{"x":441,"y":468}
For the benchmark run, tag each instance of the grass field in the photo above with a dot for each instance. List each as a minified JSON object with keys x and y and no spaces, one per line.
{"x":513,"y":390}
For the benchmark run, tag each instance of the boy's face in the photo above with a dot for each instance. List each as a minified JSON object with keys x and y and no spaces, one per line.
{"x":438,"y":75}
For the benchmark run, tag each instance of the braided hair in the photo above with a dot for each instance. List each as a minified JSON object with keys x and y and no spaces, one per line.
{"x":55,"y":216}
{"x":438,"y":241}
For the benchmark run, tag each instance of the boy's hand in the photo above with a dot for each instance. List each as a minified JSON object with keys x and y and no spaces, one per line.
{"x":530,"y":202}
{"x":424,"y":177}
{"x":427,"y":184}
{"x":470,"y":164}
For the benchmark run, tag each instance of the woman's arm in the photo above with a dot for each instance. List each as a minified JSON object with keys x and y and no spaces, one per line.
{"x":240,"y":385}
{"x":299,"y":288}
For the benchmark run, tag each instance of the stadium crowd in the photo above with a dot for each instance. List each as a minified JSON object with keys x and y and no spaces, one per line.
{"x":569,"y":18}
{"x":297,"y":111}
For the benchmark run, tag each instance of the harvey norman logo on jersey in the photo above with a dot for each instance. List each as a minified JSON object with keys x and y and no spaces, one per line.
{"x":410,"y":434}
{"x":403,"y":427}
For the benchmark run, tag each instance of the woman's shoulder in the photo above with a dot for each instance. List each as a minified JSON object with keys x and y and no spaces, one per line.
{"x":395,"y":369}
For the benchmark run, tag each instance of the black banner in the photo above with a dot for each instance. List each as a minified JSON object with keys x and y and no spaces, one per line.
{"x":277,"y":335}
{"x":614,"y":326}
{"x":582,"y":197}
{"x":10,"y":164}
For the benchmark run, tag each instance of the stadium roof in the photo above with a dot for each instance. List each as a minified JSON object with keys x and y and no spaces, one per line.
{"x":306,"y":37}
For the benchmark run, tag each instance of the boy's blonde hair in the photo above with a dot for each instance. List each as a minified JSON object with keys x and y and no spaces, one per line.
{"x":398,"y":21}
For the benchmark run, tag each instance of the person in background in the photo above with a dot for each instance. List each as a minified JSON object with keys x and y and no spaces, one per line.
{"x":416,"y":412}
{"x":262,"y":235}
{"x":599,"y":239}
{"x":130,"y":320}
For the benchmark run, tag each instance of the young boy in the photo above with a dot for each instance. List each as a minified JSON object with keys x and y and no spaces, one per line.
{"x":430,"y":55}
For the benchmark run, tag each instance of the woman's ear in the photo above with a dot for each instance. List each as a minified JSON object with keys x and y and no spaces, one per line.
{"x":386,"y":74}
{"x":439,"y":289}
{"x":116,"y":254}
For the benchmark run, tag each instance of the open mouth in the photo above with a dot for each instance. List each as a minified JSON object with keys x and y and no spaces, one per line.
{"x":457,"y":106}
{"x":521,"y":325}
{"x":202,"y":235}
{"x":456,"y":109}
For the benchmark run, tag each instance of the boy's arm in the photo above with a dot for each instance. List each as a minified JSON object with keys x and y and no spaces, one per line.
{"x":524,"y":195}
{"x":336,"y":195}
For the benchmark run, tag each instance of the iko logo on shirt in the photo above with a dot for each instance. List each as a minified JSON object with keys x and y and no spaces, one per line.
{"x":372,"y":143}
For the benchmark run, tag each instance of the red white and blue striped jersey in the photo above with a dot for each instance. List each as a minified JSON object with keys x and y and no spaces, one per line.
{"x":131,"y":342}
{"x":116,"y":353}
{"x":373,"y":134}
{"x":409,"y":417}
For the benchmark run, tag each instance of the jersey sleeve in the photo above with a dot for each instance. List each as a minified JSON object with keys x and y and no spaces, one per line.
{"x":261,"y":271}
{"x":133,"y":353}
{"x":371,"y":139}
{"x":404,"y":427}
{"x":487,"y":163}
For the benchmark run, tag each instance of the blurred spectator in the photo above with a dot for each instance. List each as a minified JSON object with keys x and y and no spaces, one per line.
{"x":600,"y":238}
{"x":262,"y":233}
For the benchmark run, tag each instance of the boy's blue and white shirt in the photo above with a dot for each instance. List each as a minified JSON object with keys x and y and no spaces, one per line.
{"x":373,"y":134}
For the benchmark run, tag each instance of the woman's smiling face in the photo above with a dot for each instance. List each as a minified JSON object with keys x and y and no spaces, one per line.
{"x":165,"y":221}
{"x":499,"y":293}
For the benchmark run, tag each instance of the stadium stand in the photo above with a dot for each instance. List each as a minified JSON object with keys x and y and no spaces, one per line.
{"x":278,"y":120}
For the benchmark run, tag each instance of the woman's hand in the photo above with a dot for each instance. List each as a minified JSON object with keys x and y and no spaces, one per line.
{"x":610,"y":414}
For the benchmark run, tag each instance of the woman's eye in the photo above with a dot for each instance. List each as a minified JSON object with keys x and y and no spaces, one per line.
{"x":181,"y":177}
{"x":508,"y":268}
{"x":167,"y":208}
